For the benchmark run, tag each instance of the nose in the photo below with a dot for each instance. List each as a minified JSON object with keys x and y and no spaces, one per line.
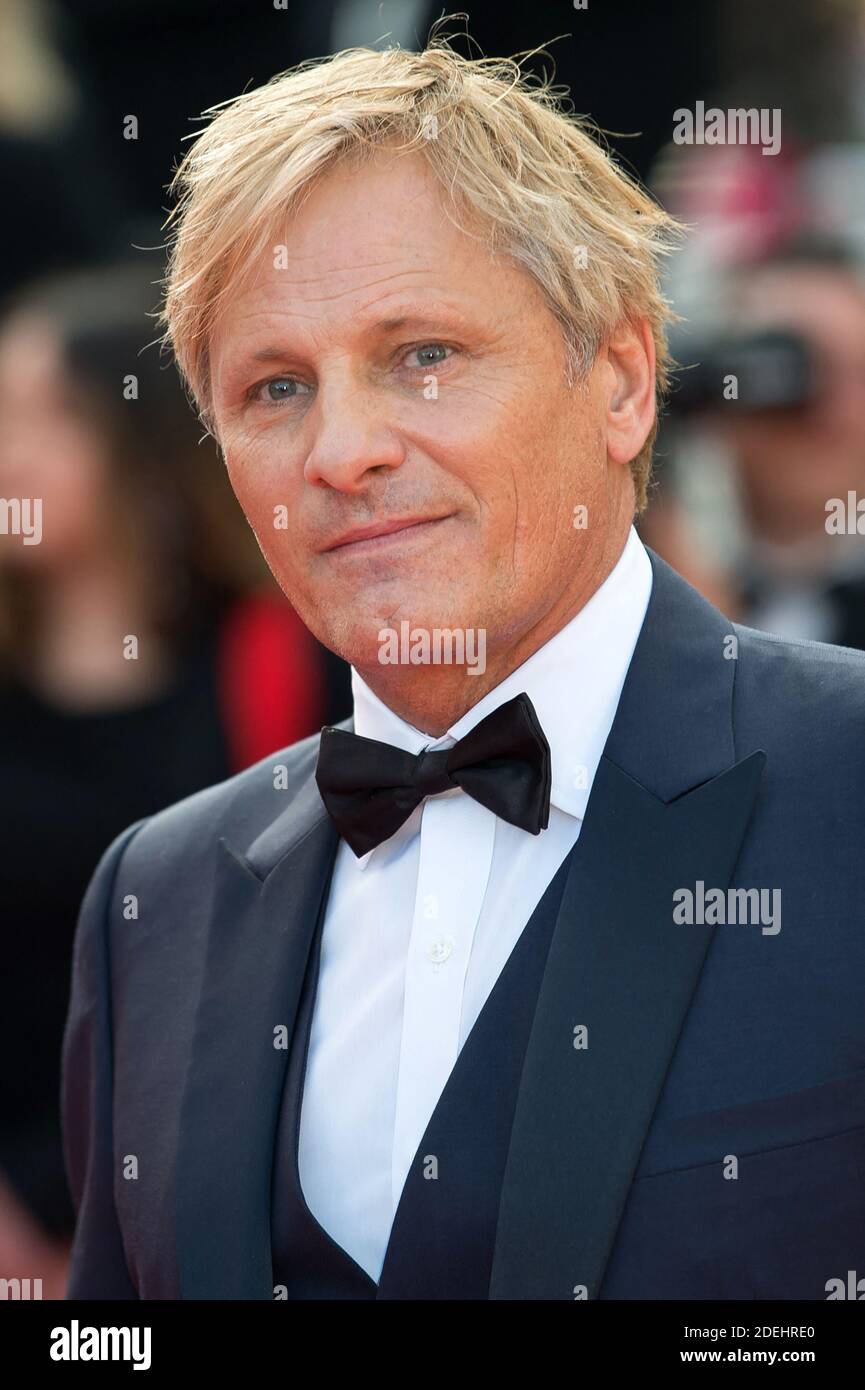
{"x":353,"y":436}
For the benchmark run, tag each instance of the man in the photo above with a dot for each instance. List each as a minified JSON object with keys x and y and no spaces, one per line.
{"x":802,"y":572}
{"x":541,"y":977}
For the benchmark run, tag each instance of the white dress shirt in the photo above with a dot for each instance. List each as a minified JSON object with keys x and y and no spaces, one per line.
{"x":416,"y":932}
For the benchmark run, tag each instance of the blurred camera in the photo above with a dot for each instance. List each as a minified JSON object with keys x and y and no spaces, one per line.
{"x":774,"y":369}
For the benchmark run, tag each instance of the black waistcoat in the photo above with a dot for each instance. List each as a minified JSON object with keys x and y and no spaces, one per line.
{"x":443,"y":1234}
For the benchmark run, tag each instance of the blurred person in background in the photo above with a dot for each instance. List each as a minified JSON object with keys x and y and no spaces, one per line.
{"x":799,"y":575}
{"x":765,"y":434}
{"x":144,"y":654}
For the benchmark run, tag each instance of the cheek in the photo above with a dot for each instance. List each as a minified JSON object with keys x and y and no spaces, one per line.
{"x":261,"y":478}
{"x":270,"y":494}
{"x":568,"y":504}
{"x":239,"y":477}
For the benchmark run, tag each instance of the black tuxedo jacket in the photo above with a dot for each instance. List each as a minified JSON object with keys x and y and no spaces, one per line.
{"x":709,"y":1142}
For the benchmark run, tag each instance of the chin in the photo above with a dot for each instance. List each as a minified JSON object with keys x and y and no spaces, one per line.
{"x":370,"y":641}
{"x":372,"y":606}
{"x":354,"y":637}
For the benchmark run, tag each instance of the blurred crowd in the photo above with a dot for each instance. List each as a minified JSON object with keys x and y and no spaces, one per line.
{"x":144,"y":650}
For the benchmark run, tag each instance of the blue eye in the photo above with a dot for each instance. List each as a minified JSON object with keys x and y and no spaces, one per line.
{"x":281,"y":388}
{"x":431,"y":347}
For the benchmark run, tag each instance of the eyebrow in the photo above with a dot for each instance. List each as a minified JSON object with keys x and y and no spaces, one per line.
{"x":423,"y":321}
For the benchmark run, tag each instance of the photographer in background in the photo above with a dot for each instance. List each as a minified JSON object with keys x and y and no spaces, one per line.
{"x":801,"y":579}
{"x":793,"y":431}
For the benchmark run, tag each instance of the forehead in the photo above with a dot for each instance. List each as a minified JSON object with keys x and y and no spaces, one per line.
{"x":371,"y":238}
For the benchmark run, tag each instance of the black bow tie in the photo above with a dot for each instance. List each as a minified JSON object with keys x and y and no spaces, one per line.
{"x":369,"y":788}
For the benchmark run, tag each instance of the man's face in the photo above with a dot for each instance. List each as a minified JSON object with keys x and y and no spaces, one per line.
{"x":393,"y":374}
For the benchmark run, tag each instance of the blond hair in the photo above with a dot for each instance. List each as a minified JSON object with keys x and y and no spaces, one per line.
{"x":548,"y":194}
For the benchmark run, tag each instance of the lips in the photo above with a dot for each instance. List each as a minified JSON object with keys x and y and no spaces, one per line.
{"x":379,"y":529}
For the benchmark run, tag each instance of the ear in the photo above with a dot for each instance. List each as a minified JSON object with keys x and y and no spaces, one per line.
{"x":630,"y":389}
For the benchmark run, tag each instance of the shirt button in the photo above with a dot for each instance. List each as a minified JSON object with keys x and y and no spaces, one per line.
{"x":438,"y":951}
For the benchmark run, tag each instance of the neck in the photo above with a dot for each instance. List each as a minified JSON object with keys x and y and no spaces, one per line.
{"x":432,"y":698}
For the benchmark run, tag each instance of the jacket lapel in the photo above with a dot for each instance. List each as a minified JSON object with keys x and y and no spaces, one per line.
{"x":265,"y":907}
{"x":669,"y":805}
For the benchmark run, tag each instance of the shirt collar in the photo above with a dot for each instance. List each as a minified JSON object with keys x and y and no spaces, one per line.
{"x":574,"y":682}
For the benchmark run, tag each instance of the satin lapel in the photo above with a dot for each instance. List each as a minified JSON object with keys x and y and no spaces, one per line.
{"x":669,"y":806}
{"x":262,"y":921}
